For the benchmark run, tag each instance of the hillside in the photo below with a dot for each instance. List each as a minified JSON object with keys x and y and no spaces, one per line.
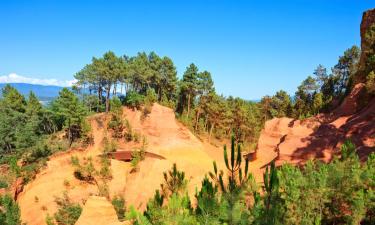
{"x":320,"y":137}
{"x":43,"y":92}
{"x":165,"y":136}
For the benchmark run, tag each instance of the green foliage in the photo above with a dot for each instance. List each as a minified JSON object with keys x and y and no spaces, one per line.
{"x":177,"y":211}
{"x":154,"y":208}
{"x":3,"y":184}
{"x":85,"y":171}
{"x":233,"y":207}
{"x":316,"y":94}
{"x":118,"y":203}
{"x":348,"y":150}
{"x":208,"y":203}
{"x":117,"y":125}
{"x":22,"y":122}
{"x":105,"y":170}
{"x":136,"y":217}
{"x":10,"y":212}
{"x":237,"y":176}
{"x":49,"y":220}
{"x":317,"y":103}
{"x":340,"y":192}
{"x":151,"y":96}
{"x":38,"y":152}
{"x":14,"y":168}
{"x":188,"y":86}
{"x":271,"y":198}
{"x":138,"y":155}
{"x":134,"y":100}
{"x":68,"y":212}
{"x":70,"y":113}
{"x":149,"y":100}
{"x":109,"y":146}
{"x":279,"y":105}
{"x":174,"y":182}
{"x":116,"y":106}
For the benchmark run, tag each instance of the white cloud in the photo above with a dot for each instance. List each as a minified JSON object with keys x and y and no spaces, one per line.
{"x":15,"y":78}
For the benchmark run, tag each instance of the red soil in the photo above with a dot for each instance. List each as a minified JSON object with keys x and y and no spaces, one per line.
{"x":320,"y":137}
{"x":317,"y":137}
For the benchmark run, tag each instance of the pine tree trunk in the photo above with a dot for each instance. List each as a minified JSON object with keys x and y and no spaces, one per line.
{"x":188,"y":112}
{"x":107,"y":98}
{"x":197,"y":118}
{"x":211,"y":129}
{"x":69,"y":133}
{"x":159,"y":93}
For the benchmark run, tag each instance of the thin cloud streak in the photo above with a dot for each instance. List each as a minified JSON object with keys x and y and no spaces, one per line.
{"x":15,"y":78}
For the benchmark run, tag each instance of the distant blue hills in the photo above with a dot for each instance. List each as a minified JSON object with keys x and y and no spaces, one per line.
{"x":43,"y":92}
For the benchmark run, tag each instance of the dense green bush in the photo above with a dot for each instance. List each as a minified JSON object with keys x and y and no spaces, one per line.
{"x":68,"y":212}
{"x":134,"y":100}
{"x":10,"y":212}
{"x":118,"y":203}
{"x":138,"y":155}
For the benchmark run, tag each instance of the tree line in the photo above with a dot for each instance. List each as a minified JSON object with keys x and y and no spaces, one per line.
{"x":193,"y":96}
{"x":320,"y":92}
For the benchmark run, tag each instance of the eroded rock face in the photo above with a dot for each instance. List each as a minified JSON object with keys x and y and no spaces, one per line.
{"x":368,"y":19}
{"x":294,"y":141}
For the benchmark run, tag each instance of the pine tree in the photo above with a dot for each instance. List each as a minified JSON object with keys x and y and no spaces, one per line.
{"x":189,"y":87}
{"x":174,"y":181}
{"x":70,"y":113}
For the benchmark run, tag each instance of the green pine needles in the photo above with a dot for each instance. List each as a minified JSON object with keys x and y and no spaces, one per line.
{"x":236,"y":176}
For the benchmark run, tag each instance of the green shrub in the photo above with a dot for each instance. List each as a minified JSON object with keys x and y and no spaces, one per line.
{"x":68,"y":212}
{"x":10,"y":212}
{"x":139,"y":154}
{"x":38,"y":152}
{"x":151,"y":96}
{"x":105,"y":171}
{"x":109,"y":146}
{"x":49,"y":220}
{"x":118,"y":203}
{"x":85,"y":171}
{"x":116,"y":106}
{"x":134,"y":100}
{"x":129,"y":131}
{"x":86,"y":135}
{"x":3,"y":184}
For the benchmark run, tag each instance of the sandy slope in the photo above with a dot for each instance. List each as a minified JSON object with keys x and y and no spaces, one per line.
{"x":97,"y":211}
{"x":165,"y":136}
{"x":50,"y":184}
{"x":173,"y":141}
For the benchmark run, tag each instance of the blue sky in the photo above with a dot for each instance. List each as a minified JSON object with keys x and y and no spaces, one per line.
{"x":252,"y":48}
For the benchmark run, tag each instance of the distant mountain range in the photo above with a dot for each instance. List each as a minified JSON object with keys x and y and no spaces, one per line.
{"x":43,"y":92}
